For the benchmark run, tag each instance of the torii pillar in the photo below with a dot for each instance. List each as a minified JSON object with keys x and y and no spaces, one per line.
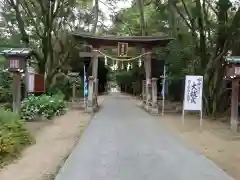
{"x":147,"y":63}
{"x":93,"y":82}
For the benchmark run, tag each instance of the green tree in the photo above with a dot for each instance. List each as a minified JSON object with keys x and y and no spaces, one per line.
{"x":204,"y":32}
{"x":44,"y":27}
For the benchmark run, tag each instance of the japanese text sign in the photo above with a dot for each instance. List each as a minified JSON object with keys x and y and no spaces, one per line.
{"x":122,"y":49}
{"x":193,"y":93}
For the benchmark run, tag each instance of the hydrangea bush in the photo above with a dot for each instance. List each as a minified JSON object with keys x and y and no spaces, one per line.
{"x":44,"y":106}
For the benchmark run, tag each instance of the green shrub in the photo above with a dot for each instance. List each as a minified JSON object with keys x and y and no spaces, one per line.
{"x":5,"y":87}
{"x":64,"y":84}
{"x":13,"y":135}
{"x":44,"y":106}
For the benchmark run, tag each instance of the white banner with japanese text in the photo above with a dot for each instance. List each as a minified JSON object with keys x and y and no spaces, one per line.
{"x":193,"y":93}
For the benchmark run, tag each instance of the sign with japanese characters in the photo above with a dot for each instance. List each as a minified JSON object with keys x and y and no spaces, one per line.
{"x":193,"y":93}
{"x":122,"y":49}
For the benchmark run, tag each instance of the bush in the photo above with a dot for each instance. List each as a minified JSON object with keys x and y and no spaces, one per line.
{"x":43,"y":106}
{"x":63,"y":84}
{"x":13,"y":135}
{"x":5,"y":87}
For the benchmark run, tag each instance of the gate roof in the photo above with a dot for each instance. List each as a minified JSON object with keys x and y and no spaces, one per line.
{"x":143,"y":41}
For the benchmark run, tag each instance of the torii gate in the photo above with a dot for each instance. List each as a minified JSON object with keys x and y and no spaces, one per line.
{"x":144,"y":42}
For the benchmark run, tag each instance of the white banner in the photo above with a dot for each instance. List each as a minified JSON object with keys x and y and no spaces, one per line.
{"x":193,"y":93}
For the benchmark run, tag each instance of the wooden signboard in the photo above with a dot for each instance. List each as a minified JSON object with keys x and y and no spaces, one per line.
{"x":122,"y":49}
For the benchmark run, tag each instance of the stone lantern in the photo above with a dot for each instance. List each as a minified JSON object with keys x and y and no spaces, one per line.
{"x":17,"y":65}
{"x":232,"y":73}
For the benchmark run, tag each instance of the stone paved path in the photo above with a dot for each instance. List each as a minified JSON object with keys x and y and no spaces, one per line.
{"x":123,"y":142}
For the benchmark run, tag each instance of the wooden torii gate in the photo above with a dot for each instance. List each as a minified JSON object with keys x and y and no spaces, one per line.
{"x":144,"y":42}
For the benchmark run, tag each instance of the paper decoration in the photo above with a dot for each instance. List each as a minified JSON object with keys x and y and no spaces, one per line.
{"x":139,"y":62}
{"x":105,"y":58}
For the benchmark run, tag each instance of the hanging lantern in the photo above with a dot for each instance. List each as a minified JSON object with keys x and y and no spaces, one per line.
{"x":112,"y":65}
{"x":105,"y":60}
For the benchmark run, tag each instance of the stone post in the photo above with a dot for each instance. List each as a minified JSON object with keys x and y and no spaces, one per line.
{"x":154,"y":96}
{"x":90,"y":94}
{"x":16,"y":89}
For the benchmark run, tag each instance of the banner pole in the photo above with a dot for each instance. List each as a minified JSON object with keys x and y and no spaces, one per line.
{"x":201,"y":120}
{"x":85,"y":89}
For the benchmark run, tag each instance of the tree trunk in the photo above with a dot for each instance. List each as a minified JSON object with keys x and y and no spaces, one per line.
{"x":142,"y":19}
{"x":172,"y":18}
{"x":214,"y":84}
{"x":202,"y":45}
{"x":95,"y":21}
